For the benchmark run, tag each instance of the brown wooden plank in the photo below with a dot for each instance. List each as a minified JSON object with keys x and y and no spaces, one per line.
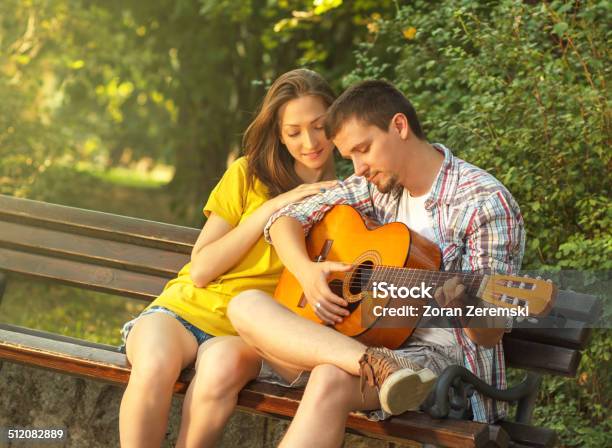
{"x":104,"y":225}
{"x":578,"y":306}
{"x":577,"y":336}
{"x":82,"y":275}
{"x":283,"y":402}
{"x":93,"y":250}
{"x":100,"y":364}
{"x":17,"y":329}
{"x":541,"y":357}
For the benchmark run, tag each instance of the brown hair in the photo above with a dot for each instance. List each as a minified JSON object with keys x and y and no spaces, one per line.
{"x":268,"y":158}
{"x":373,"y":102}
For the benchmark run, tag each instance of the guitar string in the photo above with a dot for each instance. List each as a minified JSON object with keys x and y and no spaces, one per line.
{"x":410,"y":276}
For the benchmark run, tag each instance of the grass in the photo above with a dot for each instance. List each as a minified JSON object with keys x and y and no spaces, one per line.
{"x":60,"y":309}
{"x":120,"y":176}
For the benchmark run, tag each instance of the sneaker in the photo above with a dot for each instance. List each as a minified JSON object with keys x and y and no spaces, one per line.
{"x":401,"y":383}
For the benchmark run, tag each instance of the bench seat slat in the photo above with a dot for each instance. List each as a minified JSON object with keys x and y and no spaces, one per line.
{"x":105,"y":225}
{"x":92,"y":250}
{"x":528,"y":435}
{"x":73,"y":273}
{"x":72,"y":357}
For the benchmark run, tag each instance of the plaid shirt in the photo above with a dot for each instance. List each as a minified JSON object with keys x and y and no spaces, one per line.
{"x":478,"y":227}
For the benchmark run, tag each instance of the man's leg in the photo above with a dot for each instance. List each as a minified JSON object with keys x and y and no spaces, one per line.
{"x":288,"y":339}
{"x":330,"y":395}
{"x":291,"y":341}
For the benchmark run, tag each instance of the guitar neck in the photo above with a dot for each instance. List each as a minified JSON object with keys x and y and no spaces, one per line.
{"x":414,"y":277}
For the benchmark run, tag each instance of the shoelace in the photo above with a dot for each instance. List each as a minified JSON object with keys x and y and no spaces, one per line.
{"x":377,"y":363}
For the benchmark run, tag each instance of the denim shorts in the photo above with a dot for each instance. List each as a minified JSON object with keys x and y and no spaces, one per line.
{"x":200,"y":335}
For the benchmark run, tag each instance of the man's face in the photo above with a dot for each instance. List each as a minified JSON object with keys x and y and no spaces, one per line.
{"x":373,"y":152}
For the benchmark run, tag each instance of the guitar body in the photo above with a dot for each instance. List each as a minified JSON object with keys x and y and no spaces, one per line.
{"x":343,"y":236}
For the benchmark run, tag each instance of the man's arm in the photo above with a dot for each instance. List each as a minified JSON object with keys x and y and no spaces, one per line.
{"x":494,"y":244}
{"x":353,"y":191}
{"x":287,"y":229}
{"x":289,"y":242}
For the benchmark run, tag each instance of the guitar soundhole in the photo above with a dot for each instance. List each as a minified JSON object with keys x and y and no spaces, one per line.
{"x":361,"y":277}
{"x":336,"y":287}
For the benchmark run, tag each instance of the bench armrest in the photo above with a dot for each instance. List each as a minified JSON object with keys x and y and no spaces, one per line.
{"x":450,"y":397}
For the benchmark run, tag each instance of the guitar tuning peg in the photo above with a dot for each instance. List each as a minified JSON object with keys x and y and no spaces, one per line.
{"x":520,"y":319}
{"x":539,"y":277}
{"x":548,"y":280}
{"x":532,"y":320}
{"x":526,"y":275}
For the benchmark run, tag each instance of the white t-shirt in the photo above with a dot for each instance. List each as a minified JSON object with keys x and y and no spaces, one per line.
{"x":411,"y":211}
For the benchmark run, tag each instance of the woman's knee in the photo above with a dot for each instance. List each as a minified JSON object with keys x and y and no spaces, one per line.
{"x":158,"y":348}
{"x":223,"y":370}
{"x":156,"y":370}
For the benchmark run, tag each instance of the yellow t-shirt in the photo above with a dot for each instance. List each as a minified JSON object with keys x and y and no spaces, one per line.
{"x":260,"y":268}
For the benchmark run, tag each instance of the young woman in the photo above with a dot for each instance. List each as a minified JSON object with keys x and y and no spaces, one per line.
{"x":287,"y":157}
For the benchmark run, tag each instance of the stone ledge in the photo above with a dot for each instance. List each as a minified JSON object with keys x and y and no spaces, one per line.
{"x":33,"y":397}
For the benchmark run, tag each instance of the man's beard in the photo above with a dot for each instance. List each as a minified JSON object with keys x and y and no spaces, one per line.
{"x":389,"y":185}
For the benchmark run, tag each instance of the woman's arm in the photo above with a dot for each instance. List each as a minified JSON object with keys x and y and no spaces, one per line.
{"x":220,"y":246}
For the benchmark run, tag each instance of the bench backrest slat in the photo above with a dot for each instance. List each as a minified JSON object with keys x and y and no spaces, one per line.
{"x":103,"y":225}
{"x":576,"y":335}
{"x":541,"y":357}
{"x":135,"y":258}
{"x":83,"y":275}
{"x":578,"y":306}
{"x":91,"y":250}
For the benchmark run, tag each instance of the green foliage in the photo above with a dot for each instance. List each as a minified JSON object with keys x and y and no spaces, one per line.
{"x":520,"y":90}
{"x":72,"y":89}
{"x":174,"y":81}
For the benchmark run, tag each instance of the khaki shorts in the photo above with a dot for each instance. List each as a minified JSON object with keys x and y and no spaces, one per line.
{"x":434,"y":357}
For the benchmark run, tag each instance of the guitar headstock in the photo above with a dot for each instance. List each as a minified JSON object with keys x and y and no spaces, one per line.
{"x":510,"y":291}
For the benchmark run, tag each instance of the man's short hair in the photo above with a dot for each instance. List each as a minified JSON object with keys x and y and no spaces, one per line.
{"x":374,"y":103}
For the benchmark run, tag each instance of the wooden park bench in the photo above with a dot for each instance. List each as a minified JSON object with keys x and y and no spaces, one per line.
{"x":135,"y":258}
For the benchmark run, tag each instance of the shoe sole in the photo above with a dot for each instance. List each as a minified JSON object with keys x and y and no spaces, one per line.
{"x":405,"y":390}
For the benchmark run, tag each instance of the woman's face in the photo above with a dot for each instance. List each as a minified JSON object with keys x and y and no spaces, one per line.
{"x":301,"y":130}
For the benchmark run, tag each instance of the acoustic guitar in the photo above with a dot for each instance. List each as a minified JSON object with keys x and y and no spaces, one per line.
{"x":394,"y":254}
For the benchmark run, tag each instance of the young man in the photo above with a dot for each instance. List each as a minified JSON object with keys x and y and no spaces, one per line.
{"x":399,"y":176}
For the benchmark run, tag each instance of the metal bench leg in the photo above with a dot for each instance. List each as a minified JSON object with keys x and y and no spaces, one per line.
{"x":526,"y":405}
{"x":450,"y":397}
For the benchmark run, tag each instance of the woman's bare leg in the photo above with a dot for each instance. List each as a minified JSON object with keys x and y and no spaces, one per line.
{"x":289,"y":339}
{"x":223,"y":367}
{"x":330,"y":395}
{"x":158,"y":348}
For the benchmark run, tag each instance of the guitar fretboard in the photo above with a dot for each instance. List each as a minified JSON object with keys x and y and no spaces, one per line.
{"x":414,"y":277}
